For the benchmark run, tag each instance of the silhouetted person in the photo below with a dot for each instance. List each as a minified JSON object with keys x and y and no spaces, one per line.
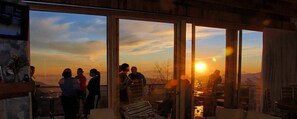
{"x":125,"y":81}
{"x":94,"y":91}
{"x":137,"y":75}
{"x":188,"y":98}
{"x":70,"y":92}
{"x":210,"y":102}
{"x":34,"y":98}
{"x":32,"y":71}
{"x":83,"y":81}
{"x":83,"y":87}
{"x":214,"y":80}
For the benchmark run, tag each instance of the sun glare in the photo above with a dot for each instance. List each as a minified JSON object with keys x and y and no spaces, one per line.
{"x":200,"y":66}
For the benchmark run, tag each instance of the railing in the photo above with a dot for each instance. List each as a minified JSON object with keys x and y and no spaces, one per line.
{"x":153,"y":92}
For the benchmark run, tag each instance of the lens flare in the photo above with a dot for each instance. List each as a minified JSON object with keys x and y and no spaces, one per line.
{"x":229,"y":51}
{"x":214,"y":59}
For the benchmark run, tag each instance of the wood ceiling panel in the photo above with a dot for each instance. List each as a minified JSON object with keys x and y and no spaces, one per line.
{"x":93,"y":3}
{"x":237,"y":13}
{"x":279,"y":7}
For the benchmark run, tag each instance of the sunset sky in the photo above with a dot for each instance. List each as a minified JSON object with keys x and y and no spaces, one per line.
{"x":60,"y":40}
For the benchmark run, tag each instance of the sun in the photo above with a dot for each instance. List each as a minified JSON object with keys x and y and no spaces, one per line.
{"x":200,"y":66}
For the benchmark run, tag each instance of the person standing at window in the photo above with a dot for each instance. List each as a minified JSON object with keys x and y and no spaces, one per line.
{"x":34,"y":96}
{"x":83,"y":81}
{"x":214,"y":80}
{"x":94,"y":91}
{"x":125,"y":81}
{"x":70,"y":91}
{"x":83,"y":87}
{"x":137,"y":76}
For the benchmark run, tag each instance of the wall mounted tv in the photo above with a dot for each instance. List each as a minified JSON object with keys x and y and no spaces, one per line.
{"x":14,"y":21}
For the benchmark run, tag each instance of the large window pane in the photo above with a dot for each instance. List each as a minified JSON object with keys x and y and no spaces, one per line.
{"x":209,"y":56}
{"x":252,"y":44}
{"x":149,"y":47}
{"x":210,"y":53}
{"x":63,"y":40}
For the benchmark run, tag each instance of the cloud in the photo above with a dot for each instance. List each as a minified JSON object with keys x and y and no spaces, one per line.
{"x":136,"y":37}
{"x":51,"y":35}
{"x":48,"y":30}
{"x":207,"y":32}
{"x":202,"y":33}
{"x":100,"y":21}
{"x":141,"y":37}
{"x":251,"y":51}
{"x":92,"y":27}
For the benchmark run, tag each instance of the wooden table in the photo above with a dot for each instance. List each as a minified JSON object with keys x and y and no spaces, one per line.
{"x":51,"y":99}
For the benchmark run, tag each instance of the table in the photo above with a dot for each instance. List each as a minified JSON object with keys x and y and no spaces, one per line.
{"x":51,"y":98}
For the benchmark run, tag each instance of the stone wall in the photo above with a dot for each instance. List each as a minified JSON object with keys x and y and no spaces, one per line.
{"x":14,"y":62}
{"x":14,"y":59}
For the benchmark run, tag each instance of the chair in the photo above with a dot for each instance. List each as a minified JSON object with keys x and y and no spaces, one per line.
{"x":295,"y":92}
{"x":139,"y":110}
{"x":269,"y":107}
{"x":244,"y":98}
{"x":267,"y":101}
{"x":286,"y":93}
{"x":136,"y":92}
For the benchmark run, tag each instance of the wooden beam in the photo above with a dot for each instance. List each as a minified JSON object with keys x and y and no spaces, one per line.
{"x":193,"y":61}
{"x":290,"y":1}
{"x":125,"y":14}
{"x":277,"y":7}
{"x":231,"y":69}
{"x":10,"y":90}
{"x":211,"y":18}
{"x":179,"y":67}
{"x":176,"y":70}
{"x":93,"y":3}
{"x":239,"y":66}
{"x":113,"y":63}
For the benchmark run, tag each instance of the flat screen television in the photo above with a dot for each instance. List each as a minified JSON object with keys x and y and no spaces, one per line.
{"x":14,"y":20}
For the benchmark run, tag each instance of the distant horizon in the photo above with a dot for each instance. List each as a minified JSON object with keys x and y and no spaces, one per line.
{"x":53,"y":79}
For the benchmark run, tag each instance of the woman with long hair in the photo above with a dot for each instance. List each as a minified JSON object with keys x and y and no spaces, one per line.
{"x":125,"y":81}
{"x":94,"y":91}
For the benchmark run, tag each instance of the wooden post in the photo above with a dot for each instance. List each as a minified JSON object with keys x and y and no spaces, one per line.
{"x":179,"y":67}
{"x":193,"y":67}
{"x":231,"y":66}
{"x":239,"y":65}
{"x":113,"y":63}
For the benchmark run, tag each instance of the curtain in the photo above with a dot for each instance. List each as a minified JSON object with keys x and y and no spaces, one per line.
{"x":279,"y":60}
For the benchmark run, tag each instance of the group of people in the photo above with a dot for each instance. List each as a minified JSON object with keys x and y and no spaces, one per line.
{"x":75,"y":88}
{"x":128,"y":79}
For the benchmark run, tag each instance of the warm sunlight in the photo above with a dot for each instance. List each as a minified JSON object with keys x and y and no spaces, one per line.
{"x":229,"y":51}
{"x":200,"y":66}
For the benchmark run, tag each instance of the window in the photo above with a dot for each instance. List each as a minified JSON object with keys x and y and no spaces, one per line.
{"x":149,"y":47}
{"x":64,"y":40}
